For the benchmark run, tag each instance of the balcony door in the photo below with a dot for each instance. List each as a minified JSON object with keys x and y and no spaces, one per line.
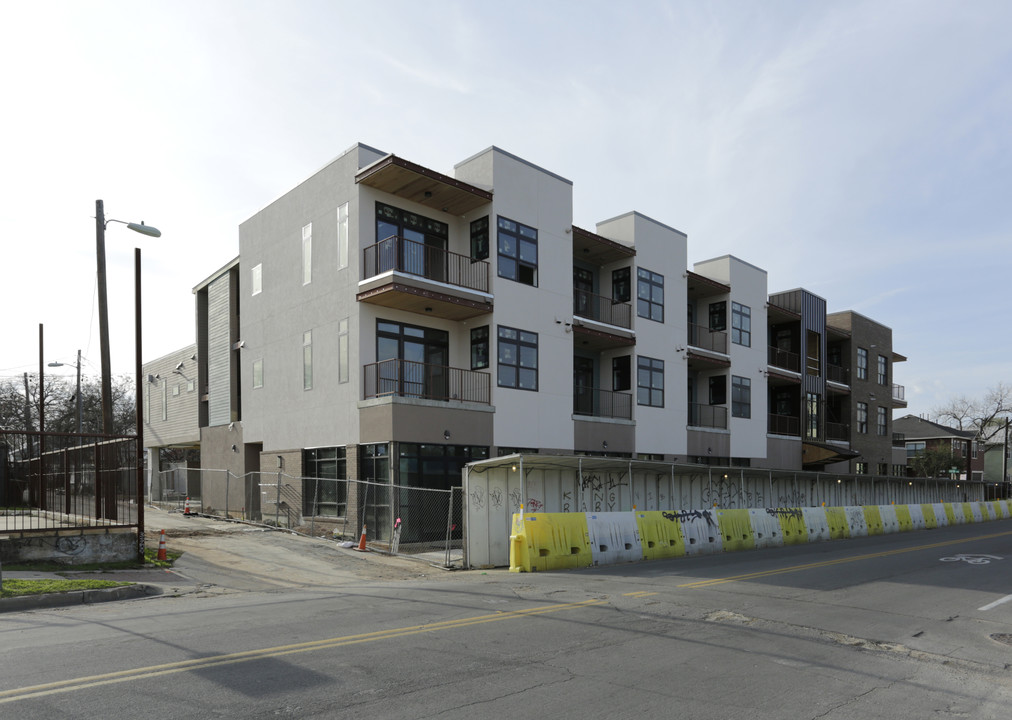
{"x":583,"y":292}
{"x":412,"y":360}
{"x":411,"y":243}
{"x":583,"y":386}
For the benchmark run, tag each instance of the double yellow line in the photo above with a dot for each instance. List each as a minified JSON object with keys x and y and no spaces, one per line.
{"x":63,"y":686}
{"x":840,"y":561}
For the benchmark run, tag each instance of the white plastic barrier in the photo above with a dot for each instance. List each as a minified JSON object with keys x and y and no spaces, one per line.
{"x":856,"y":520}
{"x":765,"y":529}
{"x":941,"y":518}
{"x":889,"y":522}
{"x":957,"y":513}
{"x":978,"y":515}
{"x":816,"y":523}
{"x":701,"y":532}
{"x":917,"y":516}
{"x":614,"y":538}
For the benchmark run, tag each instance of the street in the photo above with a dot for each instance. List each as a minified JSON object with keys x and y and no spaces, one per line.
{"x":898,"y":626}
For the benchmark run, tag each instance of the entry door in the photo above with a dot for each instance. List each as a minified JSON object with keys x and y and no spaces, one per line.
{"x":583,"y":386}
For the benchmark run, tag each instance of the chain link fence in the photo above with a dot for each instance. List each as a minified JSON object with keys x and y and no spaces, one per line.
{"x":395,"y":518}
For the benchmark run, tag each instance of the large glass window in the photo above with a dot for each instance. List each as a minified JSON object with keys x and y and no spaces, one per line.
{"x":479,"y":347}
{"x":324,"y":484}
{"x":258,"y":373}
{"x":862,"y":364}
{"x":518,"y":252}
{"x":412,"y":360}
{"x":649,"y":295}
{"x":718,"y":315}
{"x":374,"y":494}
{"x":741,"y":397}
{"x":862,"y":417}
{"x":422,"y":244}
{"x":307,"y":254}
{"x":649,"y":382}
{"x":718,"y":390}
{"x":883,"y":370}
{"x":621,"y":290}
{"x":741,"y":324}
{"x":518,"y":359}
{"x":307,"y":360}
{"x":813,"y":415}
{"x":881,"y":425}
{"x":343,"y":350}
{"x":479,"y":239}
{"x":342,"y":236}
{"x":256,"y":278}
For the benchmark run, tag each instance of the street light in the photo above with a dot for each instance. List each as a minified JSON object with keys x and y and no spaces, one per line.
{"x":103,"y":305}
{"x":78,"y":366}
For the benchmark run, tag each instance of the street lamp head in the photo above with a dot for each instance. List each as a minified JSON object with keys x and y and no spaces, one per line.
{"x":145,"y":229}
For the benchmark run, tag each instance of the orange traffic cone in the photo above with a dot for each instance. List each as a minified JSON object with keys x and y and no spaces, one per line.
{"x":161,"y":547}
{"x":361,"y":540}
{"x":186,"y":508}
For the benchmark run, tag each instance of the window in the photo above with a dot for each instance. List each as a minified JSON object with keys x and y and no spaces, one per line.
{"x":165,"y":399}
{"x":518,"y":359}
{"x":813,"y":419}
{"x":479,"y":239}
{"x":343,"y":351}
{"x":883,"y":370}
{"x":324,"y":488}
{"x":883,"y":468}
{"x":862,"y":364}
{"x":650,"y":382}
{"x":342,"y":236}
{"x":974,"y":450}
{"x":307,"y":360}
{"x":258,"y":374}
{"x":190,"y":386}
{"x":899,"y":470}
{"x":256,"y":279}
{"x":741,"y":324}
{"x":860,"y":468}
{"x":518,"y":252}
{"x":914,"y":449}
{"x":718,"y":315}
{"x":175,"y":390}
{"x":307,"y":254}
{"x":741,"y":397}
{"x":649,"y":295}
{"x":410,"y":243}
{"x":621,"y":291}
{"x":147,"y":402}
{"x":883,"y":421}
{"x":813,"y":353}
{"x":621,"y":373}
{"x":862,"y":417}
{"x":479,"y":348}
{"x":718,"y":390}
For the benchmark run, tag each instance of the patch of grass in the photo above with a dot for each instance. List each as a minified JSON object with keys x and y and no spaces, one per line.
{"x":18,"y":588}
{"x":151,"y":557}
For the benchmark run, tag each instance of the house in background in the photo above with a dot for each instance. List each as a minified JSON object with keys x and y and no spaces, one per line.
{"x":921,"y":435}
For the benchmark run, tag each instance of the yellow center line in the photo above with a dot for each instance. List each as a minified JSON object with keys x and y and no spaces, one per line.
{"x":62,"y":686}
{"x":840,"y":561}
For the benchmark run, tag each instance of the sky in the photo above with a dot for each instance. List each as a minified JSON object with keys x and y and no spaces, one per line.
{"x":862,"y":150}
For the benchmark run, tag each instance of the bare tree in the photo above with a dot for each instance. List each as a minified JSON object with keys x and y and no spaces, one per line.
{"x":984,"y":416}
{"x":20,"y":412}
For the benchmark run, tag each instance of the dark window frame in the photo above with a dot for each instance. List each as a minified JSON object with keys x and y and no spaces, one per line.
{"x":621,"y":373}
{"x":480,"y":238}
{"x":741,"y":396}
{"x":480,"y":343}
{"x":651,"y":392}
{"x":717,"y":314}
{"x":621,"y":285}
{"x":512,"y":263}
{"x":741,"y":324}
{"x":650,"y":307}
{"x":514,"y":370}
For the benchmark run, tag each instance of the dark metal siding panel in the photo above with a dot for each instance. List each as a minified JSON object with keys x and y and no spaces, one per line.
{"x":219,"y":350}
{"x":813,"y":319}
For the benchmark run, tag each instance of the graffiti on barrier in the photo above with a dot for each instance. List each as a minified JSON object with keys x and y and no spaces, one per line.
{"x":786,"y":512}
{"x":687,"y":515}
{"x":478,"y":498}
{"x":495,"y":497}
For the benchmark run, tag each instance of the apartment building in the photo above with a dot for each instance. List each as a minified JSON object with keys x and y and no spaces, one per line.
{"x":387,"y":322}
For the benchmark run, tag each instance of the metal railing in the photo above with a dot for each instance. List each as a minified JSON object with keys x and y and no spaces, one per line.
{"x":837,"y":431}
{"x":431,"y":263}
{"x":712,"y":416}
{"x":838,"y":374}
{"x":406,"y":378}
{"x":784,"y":425}
{"x":899,"y":393}
{"x":601,"y":308}
{"x":784,"y":359}
{"x":596,"y":402}
{"x":702,"y":337}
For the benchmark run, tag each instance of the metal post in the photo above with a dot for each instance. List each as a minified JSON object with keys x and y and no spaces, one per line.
{"x":103,"y":318}
{"x":139,"y":416}
{"x":277,"y":503}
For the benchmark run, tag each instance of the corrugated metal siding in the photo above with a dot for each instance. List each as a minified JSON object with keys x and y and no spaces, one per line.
{"x":219,"y":350}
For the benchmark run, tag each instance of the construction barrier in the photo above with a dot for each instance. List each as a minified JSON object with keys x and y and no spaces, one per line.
{"x":557,"y":541}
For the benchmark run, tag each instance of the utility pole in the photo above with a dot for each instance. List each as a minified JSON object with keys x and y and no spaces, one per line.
{"x":103,"y":319}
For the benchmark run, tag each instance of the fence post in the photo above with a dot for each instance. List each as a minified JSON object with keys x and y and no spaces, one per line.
{"x":228,"y":479}
{"x":277,"y":503}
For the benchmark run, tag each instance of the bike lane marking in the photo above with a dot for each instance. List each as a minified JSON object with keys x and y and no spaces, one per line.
{"x":996,"y":603}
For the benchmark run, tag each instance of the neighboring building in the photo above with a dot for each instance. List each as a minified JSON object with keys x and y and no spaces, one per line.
{"x":171,"y":434}
{"x":386,"y":322}
{"x":921,"y":435}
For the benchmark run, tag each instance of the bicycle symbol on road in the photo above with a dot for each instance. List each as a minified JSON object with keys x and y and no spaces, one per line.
{"x":971,"y":559}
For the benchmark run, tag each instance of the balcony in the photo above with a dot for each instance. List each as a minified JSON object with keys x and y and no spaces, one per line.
{"x":899,"y":395}
{"x":602,"y":309}
{"x":707,"y":416}
{"x":837,"y":431}
{"x":837,"y":374}
{"x":409,"y":275}
{"x":706,"y":339}
{"x":596,"y":402}
{"x":899,"y":440}
{"x":406,"y":378}
{"x":784,"y":425}
{"x":784,"y":359}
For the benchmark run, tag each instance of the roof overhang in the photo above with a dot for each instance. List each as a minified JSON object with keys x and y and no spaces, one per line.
{"x":413,"y":182}
{"x":597,"y":249}
{"x":821,"y":454}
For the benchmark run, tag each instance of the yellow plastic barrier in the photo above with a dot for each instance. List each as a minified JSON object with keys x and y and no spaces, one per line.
{"x":660,"y":534}
{"x":549,"y":541}
{"x":836,"y":518}
{"x":792,"y":525}
{"x":873,"y":517}
{"x":930,"y":521}
{"x":736,"y":530}
{"x":906,"y":522}
{"x":950,"y":514}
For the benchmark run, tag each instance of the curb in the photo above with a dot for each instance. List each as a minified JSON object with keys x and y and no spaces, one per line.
{"x":76,"y":597}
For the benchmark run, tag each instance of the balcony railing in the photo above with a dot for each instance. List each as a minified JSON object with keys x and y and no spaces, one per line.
{"x":603,"y":309}
{"x":838,"y":374}
{"x":601,"y":403}
{"x":703,"y":337}
{"x":406,"y":378}
{"x":837,"y":431}
{"x":431,"y":263}
{"x":784,"y":425}
{"x":784,"y":359}
{"x":712,"y":416}
{"x":899,"y":393}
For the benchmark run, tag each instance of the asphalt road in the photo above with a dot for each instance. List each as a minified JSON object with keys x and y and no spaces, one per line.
{"x":869,"y":628}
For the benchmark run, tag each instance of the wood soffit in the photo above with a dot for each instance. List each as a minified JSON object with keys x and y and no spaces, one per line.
{"x":413,"y":182}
